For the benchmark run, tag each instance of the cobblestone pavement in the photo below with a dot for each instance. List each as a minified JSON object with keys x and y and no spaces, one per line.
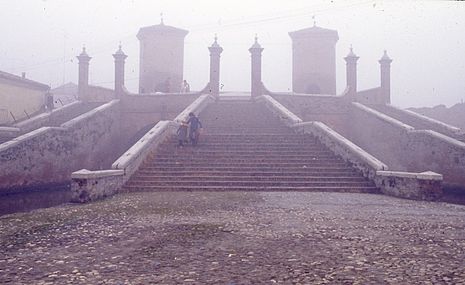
{"x":236,"y":238}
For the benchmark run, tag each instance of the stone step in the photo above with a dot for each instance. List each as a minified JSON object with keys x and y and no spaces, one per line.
{"x":346,"y":172}
{"x":240,"y":159}
{"x":234,"y":183}
{"x":252,"y":145}
{"x":218,"y":129}
{"x":247,"y":141}
{"x":242,"y":153}
{"x":231,"y":159}
{"x":257,"y":134}
{"x":272,"y":165}
{"x":344,"y":189}
{"x":246,"y":147}
{"x":265,"y":168}
{"x":162,"y":178}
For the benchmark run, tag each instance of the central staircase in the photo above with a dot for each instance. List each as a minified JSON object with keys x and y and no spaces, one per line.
{"x":247,"y":148}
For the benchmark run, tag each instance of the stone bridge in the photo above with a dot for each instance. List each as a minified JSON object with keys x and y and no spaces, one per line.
{"x":102,"y":144}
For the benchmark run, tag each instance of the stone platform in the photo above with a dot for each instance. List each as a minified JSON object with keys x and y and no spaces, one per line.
{"x":236,"y":238}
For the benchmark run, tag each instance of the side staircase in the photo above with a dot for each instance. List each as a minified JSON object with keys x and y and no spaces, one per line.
{"x":245,"y":147}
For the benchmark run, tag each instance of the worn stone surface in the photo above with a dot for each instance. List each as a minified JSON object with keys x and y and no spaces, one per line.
{"x":403,"y":148}
{"x":236,"y":238}
{"x":50,"y":155}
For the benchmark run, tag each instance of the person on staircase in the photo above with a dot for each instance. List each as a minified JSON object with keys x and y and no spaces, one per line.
{"x":194,"y":128}
{"x":182,"y":134}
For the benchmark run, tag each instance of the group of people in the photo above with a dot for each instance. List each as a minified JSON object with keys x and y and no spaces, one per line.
{"x":189,"y":131}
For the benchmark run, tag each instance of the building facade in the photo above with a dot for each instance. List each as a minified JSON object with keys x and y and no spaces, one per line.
{"x":314,"y":60}
{"x":20,"y":97}
{"x":161,"y":58}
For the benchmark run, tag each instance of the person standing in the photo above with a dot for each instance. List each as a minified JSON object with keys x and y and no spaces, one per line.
{"x":194,"y":128}
{"x":185,"y":87}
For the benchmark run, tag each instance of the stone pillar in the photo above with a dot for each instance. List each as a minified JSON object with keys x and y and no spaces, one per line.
{"x":256,"y":54}
{"x":385,"y":67}
{"x":215,"y":52}
{"x":83,"y":81}
{"x":351,"y":73}
{"x":120,"y":58}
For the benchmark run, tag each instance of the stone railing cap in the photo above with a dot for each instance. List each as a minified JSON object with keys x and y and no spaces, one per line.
{"x":88,"y":174}
{"x":427,"y":175}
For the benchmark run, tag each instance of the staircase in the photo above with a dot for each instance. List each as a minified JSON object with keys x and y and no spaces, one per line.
{"x":245,"y":147}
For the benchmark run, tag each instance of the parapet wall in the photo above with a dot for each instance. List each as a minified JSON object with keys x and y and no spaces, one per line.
{"x":56,"y":117}
{"x":403,"y":148}
{"x":418,"y":121}
{"x":50,"y":154}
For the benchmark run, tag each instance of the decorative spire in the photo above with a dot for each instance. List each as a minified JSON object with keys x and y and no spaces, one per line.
{"x":256,"y":44}
{"x":215,"y":43}
{"x":314,"y":21}
{"x":351,"y":52}
{"x":119,"y":52}
{"x":385,"y":58}
{"x":161,"y":19}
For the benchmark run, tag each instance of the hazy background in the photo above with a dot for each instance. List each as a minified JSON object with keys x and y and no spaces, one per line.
{"x":426,"y":40}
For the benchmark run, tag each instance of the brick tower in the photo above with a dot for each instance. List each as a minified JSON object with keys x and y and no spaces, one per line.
{"x":314,"y":60}
{"x":161,"y":58}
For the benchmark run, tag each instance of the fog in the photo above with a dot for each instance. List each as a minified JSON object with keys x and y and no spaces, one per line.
{"x":425,"y":39}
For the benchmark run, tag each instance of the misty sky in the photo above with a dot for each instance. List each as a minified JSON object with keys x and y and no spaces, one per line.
{"x":426,"y":40}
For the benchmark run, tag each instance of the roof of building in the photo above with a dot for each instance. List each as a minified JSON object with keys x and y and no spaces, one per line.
{"x":314,"y":31}
{"x":23,"y":81}
{"x":65,"y":94}
{"x":161,"y":29}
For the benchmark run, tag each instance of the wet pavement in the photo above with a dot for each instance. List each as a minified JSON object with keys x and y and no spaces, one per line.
{"x":236,"y":238}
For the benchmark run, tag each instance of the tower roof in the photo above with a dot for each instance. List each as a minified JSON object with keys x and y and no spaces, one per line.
{"x":314,"y":31}
{"x":161,"y":29}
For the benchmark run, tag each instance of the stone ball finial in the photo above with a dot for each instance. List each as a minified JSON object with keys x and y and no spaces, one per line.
{"x":83,"y":53}
{"x":120,"y":52}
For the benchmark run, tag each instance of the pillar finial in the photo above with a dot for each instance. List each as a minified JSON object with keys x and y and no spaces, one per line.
{"x":161,"y":19}
{"x":216,"y":38}
{"x":314,"y":21}
{"x":256,"y":38}
{"x":385,"y":57}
